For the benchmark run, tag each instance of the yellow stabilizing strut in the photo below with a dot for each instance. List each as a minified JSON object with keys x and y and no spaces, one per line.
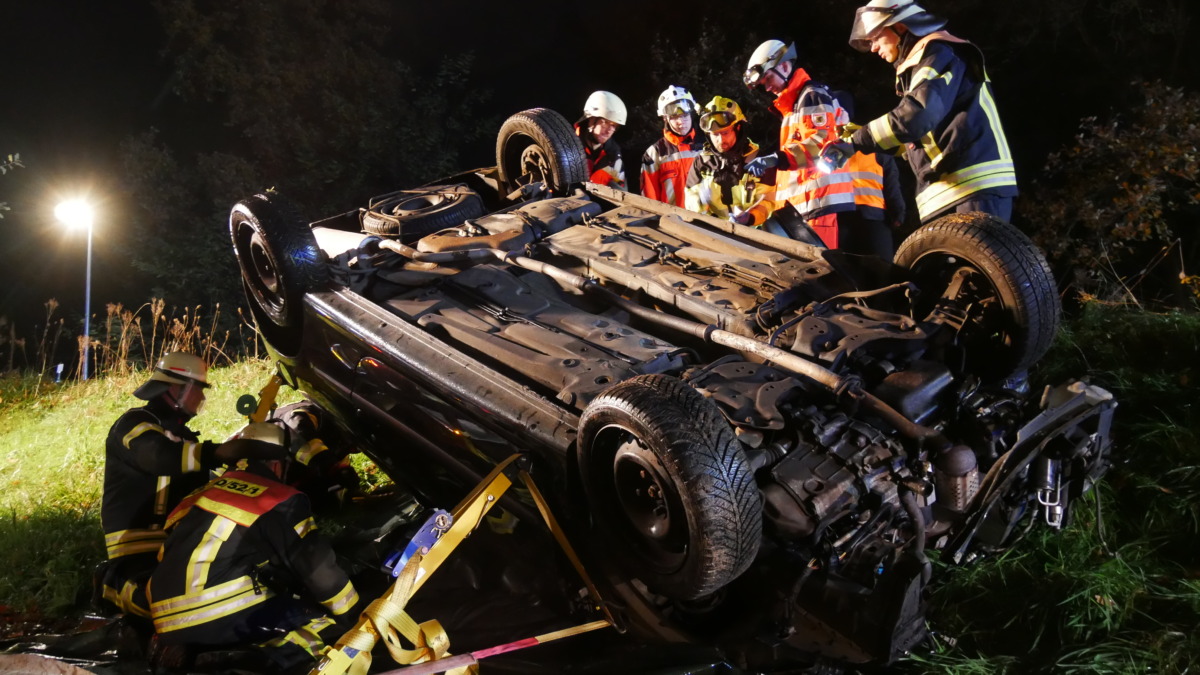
{"x":386,"y":619}
{"x":266,"y":399}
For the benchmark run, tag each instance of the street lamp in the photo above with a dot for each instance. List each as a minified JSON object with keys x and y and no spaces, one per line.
{"x":78,"y":213}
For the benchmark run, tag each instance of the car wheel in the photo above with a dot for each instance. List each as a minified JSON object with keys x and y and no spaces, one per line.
{"x":280,"y":262}
{"x":412,"y":214}
{"x":539,"y":145}
{"x":669,"y":486}
{"x":996,"y":275}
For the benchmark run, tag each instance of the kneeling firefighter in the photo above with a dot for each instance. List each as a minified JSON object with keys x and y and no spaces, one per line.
{"x":151,"y":461}
{"x":243,"y":566}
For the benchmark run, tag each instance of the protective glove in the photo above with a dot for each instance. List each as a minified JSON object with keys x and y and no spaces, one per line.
{"x":742,"y":218}
{"x":760,"y":165}
{"x":230,"y":452}
{"x":834,"y":157}
{"x":845,"y":131}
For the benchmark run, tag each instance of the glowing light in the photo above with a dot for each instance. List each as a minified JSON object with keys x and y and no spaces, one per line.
{"x":74,"y":213}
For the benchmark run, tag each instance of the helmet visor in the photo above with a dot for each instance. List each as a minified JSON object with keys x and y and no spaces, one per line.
{"x":753,"y":75}
{"x":677,"y":108}
{"x":868,"y":21}
{"x":716,"y":121}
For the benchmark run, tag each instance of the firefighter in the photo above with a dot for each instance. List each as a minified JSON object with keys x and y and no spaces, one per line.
{"x":243,"y":567}
{"x":603,"y":114}
{"x":718,"y":183}
{"x":666,"y":163}
{"x":836,"y":198}
{"x":946,"y":117}
{"x":151,"y":461}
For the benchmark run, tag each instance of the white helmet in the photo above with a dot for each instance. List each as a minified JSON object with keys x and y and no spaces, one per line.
{"x":174,"y":368}
{"x":678,"y":95}
{"x":272,"y":434}
{"x":605,"y":104}
{"x":879,"y":14}
{"x":267,"y":432}
{"x":768,"y":55}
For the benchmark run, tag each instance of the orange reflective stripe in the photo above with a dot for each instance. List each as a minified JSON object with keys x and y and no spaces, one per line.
{"x":867,"y":177}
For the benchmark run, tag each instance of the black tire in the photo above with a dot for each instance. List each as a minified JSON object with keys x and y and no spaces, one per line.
{"x":280,"y":262}
{"x":539,"y":145}
{"x":992,"y":269}
{"x":412,"y":214}
{"x":669,"y":486}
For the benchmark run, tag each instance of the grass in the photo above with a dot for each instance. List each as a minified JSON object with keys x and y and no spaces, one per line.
{"x":1119,"y":590}
{"x":52,"y":472}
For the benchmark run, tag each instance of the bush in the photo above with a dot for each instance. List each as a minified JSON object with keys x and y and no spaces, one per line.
{"x":1116,"y":211}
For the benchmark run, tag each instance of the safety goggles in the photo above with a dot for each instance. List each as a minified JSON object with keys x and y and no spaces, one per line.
{"x":716,"y":121}
{"x":753,"y":75}
{"x":678,"y":108}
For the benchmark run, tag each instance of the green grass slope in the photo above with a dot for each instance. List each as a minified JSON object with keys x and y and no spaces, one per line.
{"x":52,"y":473}
{"x":1119,"y":590}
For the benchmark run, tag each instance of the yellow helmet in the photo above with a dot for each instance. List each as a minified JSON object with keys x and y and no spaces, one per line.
{"x":719,"y":114}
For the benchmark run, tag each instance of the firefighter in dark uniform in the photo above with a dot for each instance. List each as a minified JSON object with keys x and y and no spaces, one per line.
{"x":243,"y":565}
{"x":603,"y":114}
{"x":946,"y":117}
{"x":666,"y":163}
{"x":152,"y":460}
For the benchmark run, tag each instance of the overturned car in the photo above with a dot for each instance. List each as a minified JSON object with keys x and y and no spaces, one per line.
{"x":756,"y":441}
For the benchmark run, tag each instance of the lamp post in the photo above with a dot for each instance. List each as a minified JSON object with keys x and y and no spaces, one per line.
{"x":78,"y":213}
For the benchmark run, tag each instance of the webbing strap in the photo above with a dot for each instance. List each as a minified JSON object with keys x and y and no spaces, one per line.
{"x":386,"y":619}
{"x":561,"y":538}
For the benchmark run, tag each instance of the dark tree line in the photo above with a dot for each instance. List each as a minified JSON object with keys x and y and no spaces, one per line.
{"x":318,"y":100}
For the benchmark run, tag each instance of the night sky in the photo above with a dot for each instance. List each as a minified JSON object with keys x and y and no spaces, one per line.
{"x":81,"y":75}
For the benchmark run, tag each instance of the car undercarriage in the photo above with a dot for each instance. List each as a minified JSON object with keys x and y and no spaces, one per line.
{"x":757,"y":441}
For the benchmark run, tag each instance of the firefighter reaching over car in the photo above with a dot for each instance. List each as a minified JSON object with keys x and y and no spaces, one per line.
{"x":837,"y":192}
{"x":946,"y":121}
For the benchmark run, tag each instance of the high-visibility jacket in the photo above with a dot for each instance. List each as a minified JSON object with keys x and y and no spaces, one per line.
{"x":718,"y":183}
{"x":947,"y":116}
{"x":811,"y":116}
{"x":665,"y":166}
{"x":243,"y":541}
{"x":151,"y":462}
{"x":604,"y":160}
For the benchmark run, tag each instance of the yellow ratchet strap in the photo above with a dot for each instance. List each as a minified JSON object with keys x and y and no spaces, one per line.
{"x":386,"y":619}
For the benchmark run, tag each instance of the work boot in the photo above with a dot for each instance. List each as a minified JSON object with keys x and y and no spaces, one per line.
{"x":168,"y":659}
{"x":243,"y":660}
